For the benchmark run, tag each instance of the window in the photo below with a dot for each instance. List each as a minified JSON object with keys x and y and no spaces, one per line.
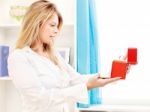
{"x":123,"y":24}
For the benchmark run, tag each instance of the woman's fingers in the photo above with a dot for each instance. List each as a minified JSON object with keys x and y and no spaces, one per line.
{"x":128,"y":68}
{"x":97,"y":81}
{"x":109,"y":80}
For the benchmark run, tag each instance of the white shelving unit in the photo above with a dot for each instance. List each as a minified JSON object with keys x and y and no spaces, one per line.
{"x":9,"y":98}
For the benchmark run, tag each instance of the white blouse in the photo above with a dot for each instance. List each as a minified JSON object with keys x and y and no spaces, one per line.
{"x":42,"y":85}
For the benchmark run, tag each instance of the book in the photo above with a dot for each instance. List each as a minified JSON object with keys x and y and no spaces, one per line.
{"x":119,"y":69}
{"x":4,"y":52}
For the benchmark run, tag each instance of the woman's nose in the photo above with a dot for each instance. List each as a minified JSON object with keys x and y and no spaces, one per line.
{"x":56,"y":30}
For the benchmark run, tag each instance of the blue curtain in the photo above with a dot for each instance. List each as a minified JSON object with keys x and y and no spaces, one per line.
{"x":87,"y":46}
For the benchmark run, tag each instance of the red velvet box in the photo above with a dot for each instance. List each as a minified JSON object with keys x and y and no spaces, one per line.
{"x":119,"y":69}
{"x":132,"y":56}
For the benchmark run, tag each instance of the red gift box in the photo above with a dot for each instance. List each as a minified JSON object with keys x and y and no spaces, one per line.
{"x":132,"y":56}
{"x":119,"y":69}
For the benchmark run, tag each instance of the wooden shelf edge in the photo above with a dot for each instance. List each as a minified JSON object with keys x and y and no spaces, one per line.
{"x":5,"y":78}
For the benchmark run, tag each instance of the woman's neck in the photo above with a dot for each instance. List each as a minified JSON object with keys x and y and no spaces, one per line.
{"x":40,"y":50}
{"x":37,"y":46}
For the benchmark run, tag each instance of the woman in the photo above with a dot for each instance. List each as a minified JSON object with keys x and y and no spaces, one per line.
{"x":45,"y":82}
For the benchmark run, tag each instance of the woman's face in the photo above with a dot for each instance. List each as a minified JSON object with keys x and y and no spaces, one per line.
{"x":49,"y":30}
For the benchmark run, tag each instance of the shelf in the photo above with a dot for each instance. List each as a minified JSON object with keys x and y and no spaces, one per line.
{"x":118,"y":108}
{"x":5,"y":78}
{"x":12,"y":25}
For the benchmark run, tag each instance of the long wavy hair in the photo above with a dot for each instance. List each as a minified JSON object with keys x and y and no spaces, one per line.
{"x":37,"y":14}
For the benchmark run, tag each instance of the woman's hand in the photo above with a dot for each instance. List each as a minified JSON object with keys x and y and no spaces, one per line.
{"x":128,"y":68}
{"x":124,"y":58}
{"x":96,"y":81}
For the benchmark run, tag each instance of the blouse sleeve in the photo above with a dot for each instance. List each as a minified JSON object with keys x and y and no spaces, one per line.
{"x":28,"y":83}
{"x":76,"y":78}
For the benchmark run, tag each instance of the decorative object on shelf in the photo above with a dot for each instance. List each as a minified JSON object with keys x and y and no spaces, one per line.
{"x":64,"y":52}
{"x":18,"y":9}
{"x":4,"y":52}
{"x":18,"y":12}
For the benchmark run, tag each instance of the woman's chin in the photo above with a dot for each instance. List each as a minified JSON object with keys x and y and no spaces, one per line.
{"x":51,"y":42}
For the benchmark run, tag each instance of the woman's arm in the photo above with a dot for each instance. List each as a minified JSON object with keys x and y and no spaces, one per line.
{"x":76,"y":78}
{"x":28,"y":83}
{"x":91,"y":80}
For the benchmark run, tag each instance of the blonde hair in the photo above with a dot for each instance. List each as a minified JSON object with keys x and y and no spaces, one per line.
{"x":38,"y":13}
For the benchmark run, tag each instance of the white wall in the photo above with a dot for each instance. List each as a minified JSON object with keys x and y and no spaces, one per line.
{"x":9,"y":98}
{"x":67,"y":9}
{"x":123,"y":24}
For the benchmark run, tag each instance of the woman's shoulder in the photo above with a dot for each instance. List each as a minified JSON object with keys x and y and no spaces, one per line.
{"x":17,"y":53}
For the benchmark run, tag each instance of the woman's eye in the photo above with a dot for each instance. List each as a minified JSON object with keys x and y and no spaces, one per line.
{"x":52,"y":25}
